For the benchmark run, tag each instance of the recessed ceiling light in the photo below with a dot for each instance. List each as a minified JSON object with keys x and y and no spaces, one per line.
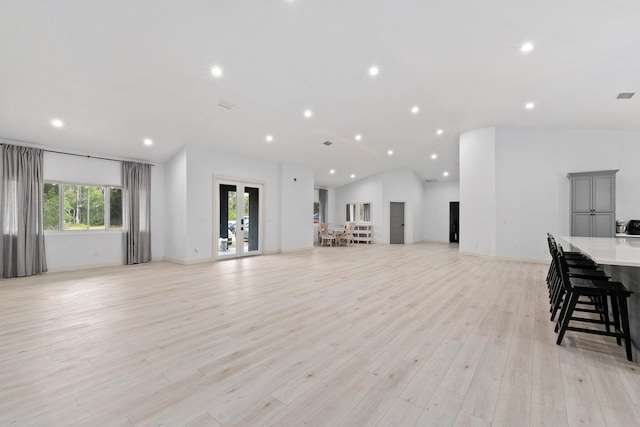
{"x":216,"y":71}
{"x":332,"y":171}
{"x":529,"y":105}
{"x":269,"y":138}
{"x":57,"y":123}
{"x":358,"y":137}
{"x":373,"y":71}
{"x":308,"y":113}
{"x":390,"y":152}
{"x":439,"y":131}
{"x":434,"y":156}
{"x":353,"y":175}
{"x":445,"y":173}
{"x":527,"y":47}
{"x":148,"y":142}
{"x":415,"y":109}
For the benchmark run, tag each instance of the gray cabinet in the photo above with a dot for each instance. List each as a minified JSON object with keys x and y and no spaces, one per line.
{"x":593,"y":203}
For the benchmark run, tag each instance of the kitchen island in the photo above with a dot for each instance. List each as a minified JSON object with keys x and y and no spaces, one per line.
{"x":619,"y":257}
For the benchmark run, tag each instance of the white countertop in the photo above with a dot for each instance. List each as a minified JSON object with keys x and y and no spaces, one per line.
{"x":604,"y":250}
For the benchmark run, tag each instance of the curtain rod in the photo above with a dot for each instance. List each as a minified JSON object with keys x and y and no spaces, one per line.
{"x":78,"y":155}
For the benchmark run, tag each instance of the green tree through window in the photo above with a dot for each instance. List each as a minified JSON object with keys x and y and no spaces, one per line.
{"x":84,"y":207}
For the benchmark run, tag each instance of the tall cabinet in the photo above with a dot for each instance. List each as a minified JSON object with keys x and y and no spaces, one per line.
{"x":593,"y":203}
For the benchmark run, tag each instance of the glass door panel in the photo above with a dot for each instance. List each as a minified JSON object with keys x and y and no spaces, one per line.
{"x":239,"y":219}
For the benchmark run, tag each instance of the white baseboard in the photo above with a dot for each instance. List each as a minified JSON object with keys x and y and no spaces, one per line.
{"x":505,"y":258}
{"x":91,"y":266}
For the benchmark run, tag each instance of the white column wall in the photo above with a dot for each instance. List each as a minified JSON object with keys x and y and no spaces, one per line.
{"x":175,"y":188}
{"x":297,"y":208}
{"x":478,"y":191}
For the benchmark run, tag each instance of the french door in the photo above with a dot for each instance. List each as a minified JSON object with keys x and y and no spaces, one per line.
{"x":238,"y":218}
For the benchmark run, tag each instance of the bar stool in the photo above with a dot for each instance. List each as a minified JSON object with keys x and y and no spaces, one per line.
{"x":600,"y":291}
{"x":556,"y":291}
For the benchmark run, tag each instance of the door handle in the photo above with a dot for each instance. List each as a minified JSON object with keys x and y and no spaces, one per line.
{"x":402,"y":225}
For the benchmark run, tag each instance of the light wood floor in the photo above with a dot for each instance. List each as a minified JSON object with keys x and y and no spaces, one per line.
{"x":364,"y":336}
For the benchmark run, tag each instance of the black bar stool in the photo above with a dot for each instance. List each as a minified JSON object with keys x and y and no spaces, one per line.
{"x":600,"y":291}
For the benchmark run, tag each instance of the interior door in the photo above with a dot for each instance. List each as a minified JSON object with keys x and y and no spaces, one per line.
{"x":454,"y":219}
{"x":396,"y":223}
{"x":238,"y":225}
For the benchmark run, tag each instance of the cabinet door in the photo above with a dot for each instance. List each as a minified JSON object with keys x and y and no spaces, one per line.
{"x":581,"y":224}
{"x":603,"y":225}
{"x":582,"y":192}
{"x":603,"y":197}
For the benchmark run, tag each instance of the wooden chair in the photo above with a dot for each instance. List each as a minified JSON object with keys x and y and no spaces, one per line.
{"x":324,"y":234}
{"x":347,"y":235}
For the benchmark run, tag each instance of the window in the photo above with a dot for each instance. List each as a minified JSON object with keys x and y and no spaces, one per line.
{"x":358,"y":212}
{"x":72,"y":207}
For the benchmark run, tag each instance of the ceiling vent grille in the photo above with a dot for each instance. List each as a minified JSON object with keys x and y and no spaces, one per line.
{"x":625,"y":95}
{"x":327,"y":143}
{"x":226,"y":104}
{"x":430,"y":180}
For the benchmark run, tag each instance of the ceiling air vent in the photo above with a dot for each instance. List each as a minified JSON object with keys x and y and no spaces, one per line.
{"x":625,"y":95}
{"x":430,"y":180}
{"x":327,"y":143}
{"x":226,"y":104}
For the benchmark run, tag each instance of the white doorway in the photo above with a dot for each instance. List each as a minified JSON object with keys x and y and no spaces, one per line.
{"x":237,"y":218}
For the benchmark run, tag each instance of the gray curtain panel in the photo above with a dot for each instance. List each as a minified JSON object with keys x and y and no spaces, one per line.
{"x":136,"y":201}
{"x":21,"y":219}
{"x":323,"y":195}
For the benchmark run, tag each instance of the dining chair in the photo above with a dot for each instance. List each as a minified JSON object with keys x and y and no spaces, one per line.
{"x":325,"y":236}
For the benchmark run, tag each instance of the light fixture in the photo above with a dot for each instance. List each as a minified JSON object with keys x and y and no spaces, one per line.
{"x":445,"y":173}
{"x":415,"y":109}
{"x":216,"y":71}
{"x":358,"y":137}
{"x":308,"y":113}
{"x":434,"y":156}
{"x":373,"y":71}
{"x":527,"y":47}
{"x":269,"y":138}
{"x":148,"y":142}
{"x":529,"y":105}
{"x":439,"y":131}
{"x":332,"y":171}
{"x":57,"y":123}
{"x":390,"y":153}
{"x":353,"y":175}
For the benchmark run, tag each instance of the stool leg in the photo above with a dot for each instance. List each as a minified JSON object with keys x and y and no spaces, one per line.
{"x":624,"y":314}
{"x":604,"y":306}
{"x":616,"y":317}
{"x":569,"y":305}
{"x":557,"y":300}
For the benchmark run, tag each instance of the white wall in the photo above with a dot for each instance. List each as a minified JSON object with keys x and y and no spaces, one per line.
{"x":437,"y":196}
{"x":175,"y":187}
{"x":532,"y":188}
{"x":202,"y":165}
{"x":404,"y":186}
{"x":478,"y":191}
{"x":379,"y":190}
{"x":297,"y":208}
{"x":93,"y":248}
{"x":366,"y":190}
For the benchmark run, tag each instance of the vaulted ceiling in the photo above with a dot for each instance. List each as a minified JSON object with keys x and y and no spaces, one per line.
{"x":117,"y":72}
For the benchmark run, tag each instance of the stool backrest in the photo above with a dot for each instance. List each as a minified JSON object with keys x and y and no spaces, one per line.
{"x":562,"y":268}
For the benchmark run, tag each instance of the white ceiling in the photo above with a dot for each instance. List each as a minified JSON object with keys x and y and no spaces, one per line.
{"x":119,"y":71}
